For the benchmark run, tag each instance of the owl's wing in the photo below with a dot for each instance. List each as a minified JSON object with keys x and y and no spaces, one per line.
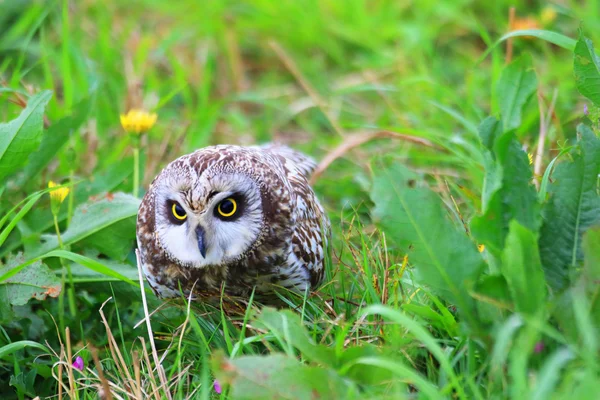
{"x":303,"y":163}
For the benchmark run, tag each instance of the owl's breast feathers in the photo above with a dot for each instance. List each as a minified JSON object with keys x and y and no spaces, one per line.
{"x":290,"y":250}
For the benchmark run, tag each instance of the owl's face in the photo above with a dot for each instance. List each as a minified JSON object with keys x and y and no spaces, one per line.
{"x":211,"y":219}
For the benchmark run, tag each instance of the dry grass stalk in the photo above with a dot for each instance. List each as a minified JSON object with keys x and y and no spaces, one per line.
{"x":105,"y":385}
{"x":72,"y":389}
{"x":358,"y":139}
{"x":149,"y":367}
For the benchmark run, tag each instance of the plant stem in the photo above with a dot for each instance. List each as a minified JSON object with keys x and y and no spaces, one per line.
{"x":136,"y":171}
{"x":71,"y":198}
{"x":71,"y":288}
{"x":60,"y":243}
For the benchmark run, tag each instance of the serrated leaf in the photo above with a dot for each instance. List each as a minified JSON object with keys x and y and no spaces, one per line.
{"x":415,"y":219}
{"x":21,"y":136}
{"x":279,"y":377}
{"x":35,"y":281}
{"x":586,"y":65}
{"x":55,"y":138}
{"x":93,"y":217}
{"x":508,"y":192}
{"x":288,"y":326}
{"x":573,"y":207}
{"x":23,"y":382}
{"x":516,"y":85}
{"x":522,"y":268}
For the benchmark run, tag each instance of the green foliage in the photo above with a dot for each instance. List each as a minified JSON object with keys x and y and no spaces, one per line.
{"x":37,"y":281}
{"x":21,"y":136}
{"x":413,"y":216}
{"x":280,"y":376}
{"x":55,"y":139}
{"x":587,"y":69}
{"x":516,"y":86}
{"x":522,"y":268}
{"x":508,"y":191}
{"x":573,"y":207}
{"x":105,"y":224}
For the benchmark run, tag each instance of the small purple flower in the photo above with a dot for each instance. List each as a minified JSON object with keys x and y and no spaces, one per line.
{"x":539,"y":347}
{"x":78,"y":363}
{"x":217,"y":386}
{"x":586,"y":111}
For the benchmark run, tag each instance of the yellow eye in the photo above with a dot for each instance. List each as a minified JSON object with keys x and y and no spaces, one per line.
{"x":178,"y":212}
{"x":227,"y":207}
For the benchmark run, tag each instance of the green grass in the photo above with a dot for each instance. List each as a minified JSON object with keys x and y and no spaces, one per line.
{"x":398,"y":95}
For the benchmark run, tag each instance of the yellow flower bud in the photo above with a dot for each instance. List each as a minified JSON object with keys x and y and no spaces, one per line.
{"x":57,"y":196}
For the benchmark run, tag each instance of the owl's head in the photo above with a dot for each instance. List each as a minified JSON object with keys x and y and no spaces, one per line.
{"x":208,"y":218}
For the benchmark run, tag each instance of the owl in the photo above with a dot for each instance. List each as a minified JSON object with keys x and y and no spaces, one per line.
{"x":236,"y":218}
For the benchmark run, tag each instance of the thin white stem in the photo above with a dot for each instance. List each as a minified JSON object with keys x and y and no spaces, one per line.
{"x":161,"y":372}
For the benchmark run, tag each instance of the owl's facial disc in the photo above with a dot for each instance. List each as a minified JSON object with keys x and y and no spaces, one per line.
{"x":214,"y":221}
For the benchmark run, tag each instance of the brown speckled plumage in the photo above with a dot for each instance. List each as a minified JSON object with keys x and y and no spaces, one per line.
{"x":281,"y":243}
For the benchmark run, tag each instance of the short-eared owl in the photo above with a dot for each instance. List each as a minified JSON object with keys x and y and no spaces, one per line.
{"x":242,"y":217}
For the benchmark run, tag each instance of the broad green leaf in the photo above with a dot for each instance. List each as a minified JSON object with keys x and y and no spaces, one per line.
{"x":416,"y":220}
{"x":508,"y":192}
{"x":20,"y":345}
{"x":587,"y":69}
{"x":516,"y":85}
{"x":522,"y":268}
{"x":573,"y":207}
{"x":36,"y":281}
{"x":279,"y":377}
{"x":114,"y":241}
{"x":93,"y":217}
{"x":493,"y":297}
{"x":591,"y":250}
{"x":55,"y":138}
{"x":21,"y":136}
{"x":287,"y":326}
{"x":489,"y":130}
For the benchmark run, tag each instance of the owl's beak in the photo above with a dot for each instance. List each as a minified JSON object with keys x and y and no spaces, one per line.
{"x":201,"y":241}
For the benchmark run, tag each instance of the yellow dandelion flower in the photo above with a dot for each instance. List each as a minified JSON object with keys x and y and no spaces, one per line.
{"x":530,"y":157}
{"x":138,"y":121}
{"x":58,"y":195}
{"x":481,"y":248}
{"x":548,"y":15}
